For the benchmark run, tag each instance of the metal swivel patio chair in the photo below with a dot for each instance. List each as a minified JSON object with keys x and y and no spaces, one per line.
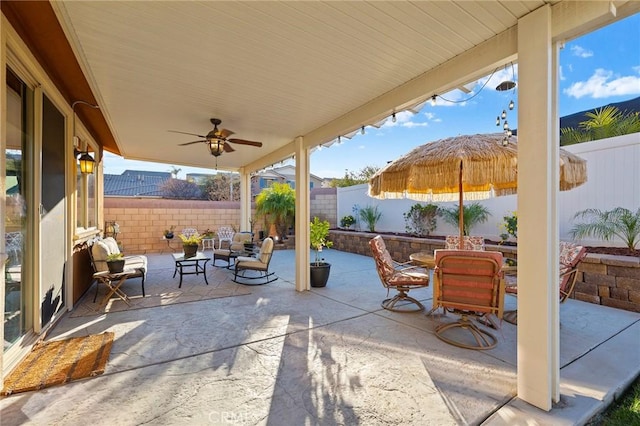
{"x":570,"y":256}
{"x":469,"y":284}
{"x":399,"y":276}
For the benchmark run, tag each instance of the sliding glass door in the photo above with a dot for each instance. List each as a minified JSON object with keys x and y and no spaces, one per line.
{"x":18,"y":149}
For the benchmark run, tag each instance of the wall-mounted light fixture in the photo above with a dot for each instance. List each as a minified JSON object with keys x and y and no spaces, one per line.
{"x":86,"y":161}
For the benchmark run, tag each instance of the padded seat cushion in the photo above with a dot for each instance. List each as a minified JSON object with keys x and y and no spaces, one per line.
{"x":104,"y":247}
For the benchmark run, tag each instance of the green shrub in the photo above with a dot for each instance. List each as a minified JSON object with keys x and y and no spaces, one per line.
{"x":510,"y":226}
{"x":421,"y":220}
{"x":347,"y":221}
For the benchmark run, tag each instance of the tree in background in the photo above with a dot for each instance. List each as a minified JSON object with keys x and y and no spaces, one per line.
{"x":174,"y":172}
{"x":222,"y":187}
{"x":277,"y":205}
{"x":181,"y":190}
{"x":603,"y":123}
{"x":354,"y":178}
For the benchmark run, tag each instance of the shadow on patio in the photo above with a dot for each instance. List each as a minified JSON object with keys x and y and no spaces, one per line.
{"x":328,"y":356}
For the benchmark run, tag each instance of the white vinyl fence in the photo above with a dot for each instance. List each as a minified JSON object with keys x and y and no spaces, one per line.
{"x":613,"y":170}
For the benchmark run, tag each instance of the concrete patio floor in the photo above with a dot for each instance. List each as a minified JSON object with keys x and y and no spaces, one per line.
{"x":328,"y":356}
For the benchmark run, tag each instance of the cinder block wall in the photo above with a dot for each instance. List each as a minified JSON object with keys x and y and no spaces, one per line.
{"x":142,"y":221}
{"x":324,"y":205}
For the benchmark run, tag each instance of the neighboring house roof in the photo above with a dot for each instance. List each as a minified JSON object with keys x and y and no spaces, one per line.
{"x":198,"y":176}
{"x":135,"y":183}
{"x":289,"y":173}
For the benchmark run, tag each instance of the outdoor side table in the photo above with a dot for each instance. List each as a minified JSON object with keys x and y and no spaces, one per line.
{"x":194,"y":265}
{"x":113,"y":282}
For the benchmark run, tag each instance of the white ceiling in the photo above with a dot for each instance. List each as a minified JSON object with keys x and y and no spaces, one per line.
{"x":271,"y":71}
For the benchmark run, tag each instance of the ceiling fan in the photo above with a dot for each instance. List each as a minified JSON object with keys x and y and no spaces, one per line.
{"x":218,"y":139}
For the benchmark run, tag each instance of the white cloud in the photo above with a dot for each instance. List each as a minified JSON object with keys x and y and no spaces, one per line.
{"x":581,"y":52}
{"x":603,"y":84}
{"x":401,"y":117}
{"x":414,"y":124}
{"x":503,"y":74}
{"x":361,"y":147}
{"x":636,"y":69}
{"x":562,"y":77}
{"x":429,"y":115}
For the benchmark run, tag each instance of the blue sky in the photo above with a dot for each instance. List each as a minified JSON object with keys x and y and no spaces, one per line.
{"x":596,"y":69}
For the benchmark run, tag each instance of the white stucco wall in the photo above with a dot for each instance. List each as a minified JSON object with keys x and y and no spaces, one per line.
{"x":613,"y":168}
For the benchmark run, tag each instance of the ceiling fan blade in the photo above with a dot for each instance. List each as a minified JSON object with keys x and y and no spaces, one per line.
{"x":245,"y":142}
{"x":190,"y":143}
{"x":186,"y":133}
{"x":224,"y":133}
{"x":228,"y":148}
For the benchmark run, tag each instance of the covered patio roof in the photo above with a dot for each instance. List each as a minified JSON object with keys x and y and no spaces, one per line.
{"x":273,"y":71}
{"x":294,"y":75}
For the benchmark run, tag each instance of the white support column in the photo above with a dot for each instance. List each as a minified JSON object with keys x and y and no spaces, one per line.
{"x":538,"y":163}
{"x":302,"y":215}
{"x":245,"y":200}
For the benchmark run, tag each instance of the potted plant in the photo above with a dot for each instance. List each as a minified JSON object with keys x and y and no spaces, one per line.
{"x":168,"y":233}
{"x":115,"y":262}
{"x":319,"y":269}
{"x":190,"y":243}
{"x":347,"y":221}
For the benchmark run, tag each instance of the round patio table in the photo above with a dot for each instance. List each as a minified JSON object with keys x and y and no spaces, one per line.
{"x":424,"y":259}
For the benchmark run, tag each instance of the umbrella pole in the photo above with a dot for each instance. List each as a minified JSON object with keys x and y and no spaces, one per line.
{"x":461,"y":210}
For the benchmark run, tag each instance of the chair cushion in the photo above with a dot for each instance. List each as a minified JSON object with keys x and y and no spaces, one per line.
{"x":112,"y":244}
{"x":451,"y":242}
{"x":99,"y":252}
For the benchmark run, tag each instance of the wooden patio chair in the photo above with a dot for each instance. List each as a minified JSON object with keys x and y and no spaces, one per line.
{"x":570,"y":256}
{"x":469,"y":284}
{"x":259,"y":264}
{"x":399,"y":276}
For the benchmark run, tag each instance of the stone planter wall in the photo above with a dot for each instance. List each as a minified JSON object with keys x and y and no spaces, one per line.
{"x":602,"y":279}
{"x":610,"y":281}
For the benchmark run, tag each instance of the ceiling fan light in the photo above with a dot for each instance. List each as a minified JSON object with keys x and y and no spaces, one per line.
{"x":216,"y":146}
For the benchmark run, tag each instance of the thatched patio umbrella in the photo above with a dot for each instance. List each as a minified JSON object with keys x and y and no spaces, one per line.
{"x":470,"y":167}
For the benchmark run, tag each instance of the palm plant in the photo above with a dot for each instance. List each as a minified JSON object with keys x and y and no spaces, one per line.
{"x":277,"y":204}
{"x":370,"y":215}
{"x":472,"y":215}
{"x":603,"y":123}
{"x":619,"y":222}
